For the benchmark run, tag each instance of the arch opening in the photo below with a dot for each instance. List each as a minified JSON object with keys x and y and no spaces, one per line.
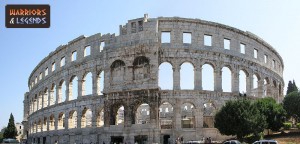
{"x":187,"y":76}
{"x":208,"y":77}
{"x":72,"y":119}
{"x":166,"y":115}
{"x":86,"y":118}
{"x":142,"y":114}
{"x":226,"y":79}
{"x":87,"y":84}
{"x":187,"y":115}
{"x":165,"y":76}
{"x":242,"y":82}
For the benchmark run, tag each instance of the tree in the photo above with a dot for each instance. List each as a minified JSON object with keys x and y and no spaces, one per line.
{"x":291,"y":103}
{"x":273,"y":112}
{"x":10,"y":131}
{"x":240,"y":118}
{"x":291,"y":87}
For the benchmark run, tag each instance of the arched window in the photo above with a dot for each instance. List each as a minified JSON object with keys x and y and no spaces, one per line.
{"x":86,"y":118}
{"x":120,"y":116}
{"x":117,"y":72}
{"x":100,"y":118}
{"x":242,"y":82}
{"x":208,"y":77}
{"x":87,"y":85}
{"x":61,"y":121}
{"x":166,"y":115}
{"x":62,"y":92}
{"x":165,"y":76}
{"x":187,"y":115}
{"x":73,"y":88}
{"x":142,"y":114}
{"x":209,"y":111}
{"x":45,"y":95}
{"x":39,"y":126}
{"x":100,"y":79}
{"x":45,"y":124}
{"x":72,"y":119}
{"x":226,"y":79}
{"x":53,"y":94}
{"x":52,"y":122}
{"x":187,"y":76}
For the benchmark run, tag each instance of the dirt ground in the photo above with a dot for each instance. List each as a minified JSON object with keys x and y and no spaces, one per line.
{"x":288,"y":140}
{"x":287,"y":137}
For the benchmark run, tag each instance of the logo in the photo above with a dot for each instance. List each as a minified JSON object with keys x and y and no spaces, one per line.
{"x":27,"y":16}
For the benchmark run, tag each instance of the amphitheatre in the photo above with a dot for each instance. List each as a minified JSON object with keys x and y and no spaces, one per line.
{"x":107,"y":88}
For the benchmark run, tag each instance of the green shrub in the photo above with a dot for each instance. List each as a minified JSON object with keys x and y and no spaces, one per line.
{"x":298,"y":125}
{"x":287,"y":125}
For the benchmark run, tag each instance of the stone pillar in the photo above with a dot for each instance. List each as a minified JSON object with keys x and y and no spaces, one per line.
{"x":95,"y":82}
{"x":66,"y":121}
{"x":37,"y":103}
{"x":198,"y":78}
{"x":42,"y":126}
{"x":259,"y":89}
{"x":50,"y":92}
{"x":218,"y":79}
{"x":198,"y":122}
{"x":42,"y":100}
{"x":79,"y":113}
{"x":46,"y":99}
{"x":269,"y":89}
{"x":67,"y":90}
{"x":36,"y":127}
{"x":249,"y":84}
{"x":80,"y":81}
{"x":94,"y":116}
{"x":106,"y":80}
{"x":48,"y":123}
{"x":176,"y":78}
{"x":58,"y":94}
{"x":177,"y":116}
{"x":56,"y":122}
{"x":70,"y":89}
{"x":235,"y":81}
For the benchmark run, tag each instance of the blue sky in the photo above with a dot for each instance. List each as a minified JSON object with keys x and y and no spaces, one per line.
{"x":277,"y":22}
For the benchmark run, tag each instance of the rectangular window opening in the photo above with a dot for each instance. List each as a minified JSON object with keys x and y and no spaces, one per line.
{"x":46,"y":72}
{"x":41,"y":76}
{"x":53,"y":66}
{"x":255,"y":53}
{"x":187,"y":37}
{"x":140,"y":25}
{"x":165,"y":37}
{"x":265,"y":58}
{"x":207,"y":40}
{"x":74,"y":56}
{"x":243,"y":48}
{"x":273,"y":63}
{"x":102,"y":44}
{"x":62,"y":62}
{"x":227,"y":44}
{"x":87,"y":51}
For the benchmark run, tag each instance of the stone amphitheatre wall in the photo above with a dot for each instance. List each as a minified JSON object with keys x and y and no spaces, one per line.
{"x":130,"y":63}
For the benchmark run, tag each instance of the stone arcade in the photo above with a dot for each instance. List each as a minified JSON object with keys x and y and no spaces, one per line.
{"x":131,"y":106}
